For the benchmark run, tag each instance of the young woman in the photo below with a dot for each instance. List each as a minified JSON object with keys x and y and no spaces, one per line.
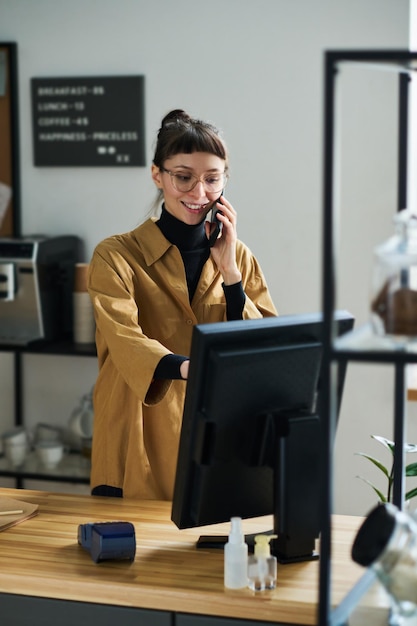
{"x":149,"y":287}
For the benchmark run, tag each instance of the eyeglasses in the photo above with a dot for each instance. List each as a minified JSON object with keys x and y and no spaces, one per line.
{"x":184,"y":181}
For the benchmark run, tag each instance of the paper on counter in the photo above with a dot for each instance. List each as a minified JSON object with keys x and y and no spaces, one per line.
{"x":10,"y":504}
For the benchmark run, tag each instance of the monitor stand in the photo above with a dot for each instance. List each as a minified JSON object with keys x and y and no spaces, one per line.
{"x":297,"y":483}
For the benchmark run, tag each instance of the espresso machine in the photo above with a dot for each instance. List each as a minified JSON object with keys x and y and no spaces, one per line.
{"x":36,"y":284}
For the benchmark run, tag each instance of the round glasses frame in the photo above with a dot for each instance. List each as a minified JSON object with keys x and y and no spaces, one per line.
{"x":194,"y":180}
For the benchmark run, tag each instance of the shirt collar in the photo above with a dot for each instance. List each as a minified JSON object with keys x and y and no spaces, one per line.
{"x":185,"y":236}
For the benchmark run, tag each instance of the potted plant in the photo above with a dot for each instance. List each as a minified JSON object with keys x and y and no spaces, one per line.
{"x":410,"y":469}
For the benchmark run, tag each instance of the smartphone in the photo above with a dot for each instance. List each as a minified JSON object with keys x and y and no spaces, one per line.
{"x":218,"y":225}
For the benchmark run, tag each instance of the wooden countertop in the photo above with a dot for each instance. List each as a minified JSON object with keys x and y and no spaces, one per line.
{"x":41,"y":557}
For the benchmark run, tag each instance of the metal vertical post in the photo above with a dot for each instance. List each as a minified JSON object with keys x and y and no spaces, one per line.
{"x":400,"y":386}
{"x":18,"y":399}
{"x":404,"y":80}
{"x":399,"y":435}
{"x":328,"y":308}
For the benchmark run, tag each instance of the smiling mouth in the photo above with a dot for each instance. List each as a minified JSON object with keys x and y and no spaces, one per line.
{"x":197,"y":208}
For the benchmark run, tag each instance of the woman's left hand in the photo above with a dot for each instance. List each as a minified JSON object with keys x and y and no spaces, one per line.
{"x":224,"y":250}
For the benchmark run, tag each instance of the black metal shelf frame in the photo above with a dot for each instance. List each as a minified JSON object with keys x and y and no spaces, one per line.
{"x":404,"y":63}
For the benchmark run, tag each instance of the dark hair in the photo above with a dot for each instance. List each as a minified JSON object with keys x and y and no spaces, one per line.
{"x":180,"y":133}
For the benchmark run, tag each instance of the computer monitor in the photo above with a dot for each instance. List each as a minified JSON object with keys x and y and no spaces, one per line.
{"x":250,"y":441}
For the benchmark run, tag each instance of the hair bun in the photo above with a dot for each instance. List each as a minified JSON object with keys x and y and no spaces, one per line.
{"x":182,"y":134}
{"x":175,"y":116}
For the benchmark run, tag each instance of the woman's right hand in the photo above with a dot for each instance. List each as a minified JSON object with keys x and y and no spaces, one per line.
{"x":184,"y":367}
{"x":224,"y":250}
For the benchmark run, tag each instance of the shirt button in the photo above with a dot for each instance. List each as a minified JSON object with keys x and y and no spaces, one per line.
{"x":189,"y":322}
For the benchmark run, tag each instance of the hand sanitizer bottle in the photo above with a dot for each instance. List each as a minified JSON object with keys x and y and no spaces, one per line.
{"x":236,"y":557}
{"x":262,"y":566}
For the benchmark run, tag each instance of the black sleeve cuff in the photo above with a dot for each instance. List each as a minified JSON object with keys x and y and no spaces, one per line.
{"x":235,"y":301}
{"x":169,"y":367}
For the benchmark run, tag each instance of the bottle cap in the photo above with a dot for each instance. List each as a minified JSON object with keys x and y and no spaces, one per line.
{"x":262,"y":547}
{"x":236,"y":532}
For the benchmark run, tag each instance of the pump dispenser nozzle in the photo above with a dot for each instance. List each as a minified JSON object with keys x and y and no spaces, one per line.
{"x":262,"y":545}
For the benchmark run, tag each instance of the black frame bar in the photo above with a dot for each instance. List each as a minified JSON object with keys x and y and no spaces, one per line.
{"x":12,"y":68}
{"x":404,"y":63}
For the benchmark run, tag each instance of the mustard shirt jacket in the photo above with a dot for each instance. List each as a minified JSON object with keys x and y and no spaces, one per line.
{"x":138,"y":287}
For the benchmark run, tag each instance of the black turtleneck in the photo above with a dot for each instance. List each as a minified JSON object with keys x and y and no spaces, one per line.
{"x":192,"y":242}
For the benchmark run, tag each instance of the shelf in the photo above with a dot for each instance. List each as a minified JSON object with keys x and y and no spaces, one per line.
{"x":57,"y":347}
{"x":74,"y":468}
{"x":362,"y":344}
{"x":399,"y":60}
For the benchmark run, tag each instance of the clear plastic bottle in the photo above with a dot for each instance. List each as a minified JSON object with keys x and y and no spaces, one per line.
{"x":236,"y":557}
{"x":262,"y":566}
{"x":387,"y":543}
{"x":394,"y":289}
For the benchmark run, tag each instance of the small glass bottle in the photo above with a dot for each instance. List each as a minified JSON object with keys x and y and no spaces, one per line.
{"x":387,"y":543}
{"x":394,"y":289}
{"x":262,"y":566}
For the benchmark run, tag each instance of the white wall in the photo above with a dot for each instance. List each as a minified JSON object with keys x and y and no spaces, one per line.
{"x":255,"y":69}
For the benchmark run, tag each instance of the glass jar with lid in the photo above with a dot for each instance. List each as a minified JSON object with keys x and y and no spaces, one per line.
{"x":387,"y":543}
{"x":394,"y":289}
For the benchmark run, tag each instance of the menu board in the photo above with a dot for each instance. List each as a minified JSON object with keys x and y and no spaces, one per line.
{"x":88,"y":121}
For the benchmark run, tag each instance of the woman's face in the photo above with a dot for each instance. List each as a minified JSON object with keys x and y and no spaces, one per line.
{"x":191,"y":206}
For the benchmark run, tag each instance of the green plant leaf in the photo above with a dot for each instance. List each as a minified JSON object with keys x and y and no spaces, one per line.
{"x":377,"y":491}
{"x":409,"y":448}
{"x":387,"y":443}
{"x":411,"y":469}
{"x":375,"y":462}
{"x":411,"y":494}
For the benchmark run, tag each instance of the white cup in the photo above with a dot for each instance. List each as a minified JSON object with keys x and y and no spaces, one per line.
{"x":15,"y":435}
{"x":15,"y":445}
{"x":47,"y":432}
{"x":81,"y":423}
{"x":15,"y":453}
{"x":49,"y":453}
